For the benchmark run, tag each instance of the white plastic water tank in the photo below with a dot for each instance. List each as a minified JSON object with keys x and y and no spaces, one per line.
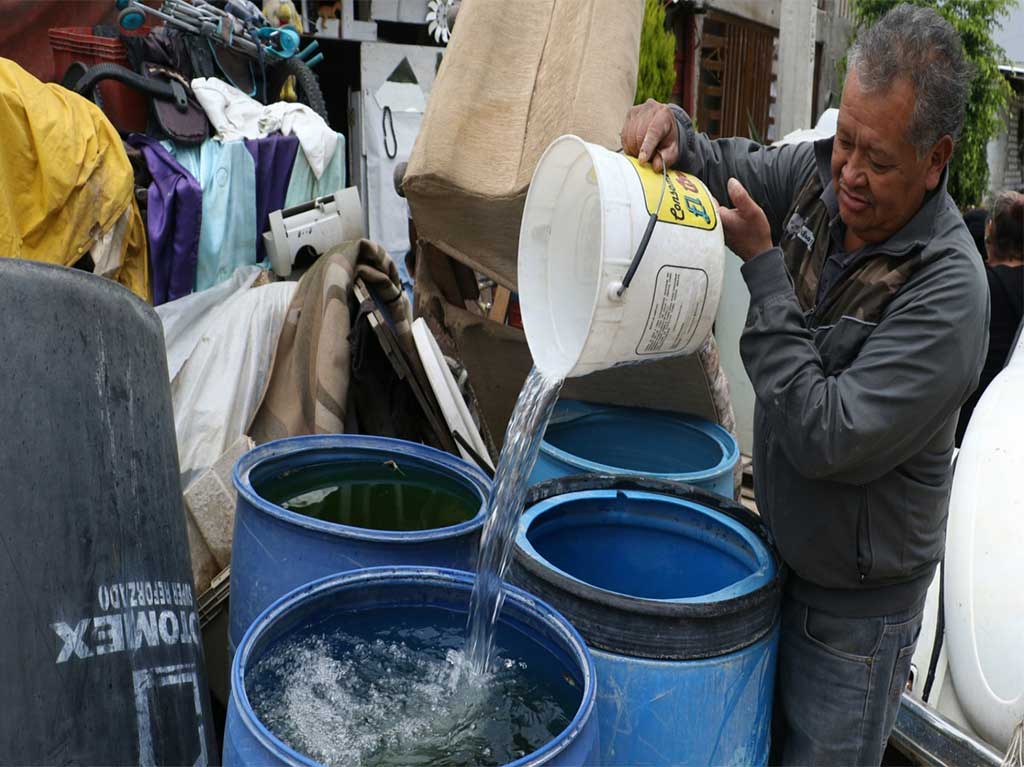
{"x":984,"y":605}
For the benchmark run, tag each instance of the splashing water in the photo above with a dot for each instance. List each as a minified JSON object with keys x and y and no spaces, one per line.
{"x":404,"y":691}
{"x":380,"y":689}
{"x":504,"y":505}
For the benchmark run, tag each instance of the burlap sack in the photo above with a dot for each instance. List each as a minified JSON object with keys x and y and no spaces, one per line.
{"x":517,"y":74}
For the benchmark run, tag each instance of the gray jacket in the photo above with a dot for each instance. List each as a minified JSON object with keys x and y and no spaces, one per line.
{"x":854,"y":422}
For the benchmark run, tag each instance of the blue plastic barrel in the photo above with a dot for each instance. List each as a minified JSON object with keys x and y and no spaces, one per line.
{"x":274,"y":549}
{"x":583,"y":438}
{"x":247,"y":741}
{"x":676,"y":592}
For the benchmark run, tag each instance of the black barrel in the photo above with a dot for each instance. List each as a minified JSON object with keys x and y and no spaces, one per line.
{"x":100,"y":652}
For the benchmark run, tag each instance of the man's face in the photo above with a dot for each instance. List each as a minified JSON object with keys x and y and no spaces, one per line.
{"x":877,"y":175}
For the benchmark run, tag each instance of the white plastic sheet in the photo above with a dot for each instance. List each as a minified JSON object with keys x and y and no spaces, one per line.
{"x":183,"y":320}
{"x":220,"y":347}
{"x":394,"y":133}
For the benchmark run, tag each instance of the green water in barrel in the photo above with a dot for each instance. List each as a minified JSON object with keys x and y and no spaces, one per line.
{"x":392,"y":495}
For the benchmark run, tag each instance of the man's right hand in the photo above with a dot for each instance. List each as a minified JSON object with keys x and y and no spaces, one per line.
{"x":651,"y":134}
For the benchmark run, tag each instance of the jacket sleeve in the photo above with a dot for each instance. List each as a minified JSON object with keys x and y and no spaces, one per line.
{"x":913,"y":371}
{"x":772,"y":175}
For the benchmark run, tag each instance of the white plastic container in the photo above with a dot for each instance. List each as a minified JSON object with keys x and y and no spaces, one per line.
{"x":984,"y":565}
{"x":585,"y":216}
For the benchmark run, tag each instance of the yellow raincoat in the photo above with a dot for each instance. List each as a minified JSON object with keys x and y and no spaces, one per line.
{"x":66,"y":185}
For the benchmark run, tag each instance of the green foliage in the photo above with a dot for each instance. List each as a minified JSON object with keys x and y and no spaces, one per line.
{"x":974,"y":20}
{"x":657,"y":71}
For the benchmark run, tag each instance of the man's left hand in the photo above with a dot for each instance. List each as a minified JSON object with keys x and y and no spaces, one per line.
{"x":746,"y":228}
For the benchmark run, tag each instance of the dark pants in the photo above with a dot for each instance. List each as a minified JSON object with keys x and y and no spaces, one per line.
{"x":839,"y":684}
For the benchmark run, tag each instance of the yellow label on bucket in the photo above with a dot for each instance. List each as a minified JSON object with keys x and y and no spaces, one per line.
{"x":686,"y":201}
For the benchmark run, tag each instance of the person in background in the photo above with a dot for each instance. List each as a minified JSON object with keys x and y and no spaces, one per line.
{"x":1004,"y":245}
{"x":975,"y":219}
{"x":866,"y":333}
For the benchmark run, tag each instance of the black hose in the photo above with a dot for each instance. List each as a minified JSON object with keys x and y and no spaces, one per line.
{"x":92,"y":77}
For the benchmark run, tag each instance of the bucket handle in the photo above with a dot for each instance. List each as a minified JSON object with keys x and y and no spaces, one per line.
{"x":642,"y":248}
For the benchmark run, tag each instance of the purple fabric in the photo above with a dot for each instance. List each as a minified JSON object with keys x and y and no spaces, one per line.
{"x":174,"y":214}
{"x":274,"y":157}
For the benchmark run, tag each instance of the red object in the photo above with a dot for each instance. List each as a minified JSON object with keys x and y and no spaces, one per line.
{"x":515,"y":315}
{"x":123,"y":105}
{"x":24,"y":33}
{"x":687,"y":58}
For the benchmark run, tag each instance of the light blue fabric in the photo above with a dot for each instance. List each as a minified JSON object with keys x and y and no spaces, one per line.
{"x":304,"y":186}
{"x":227,"y":175}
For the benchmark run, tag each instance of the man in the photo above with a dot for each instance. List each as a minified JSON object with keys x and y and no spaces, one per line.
{"x":865,"y":335}
{"x":1004,"y":268}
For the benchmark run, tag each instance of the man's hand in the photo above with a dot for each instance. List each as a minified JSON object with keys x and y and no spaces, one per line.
{"x":651,"y":134}
{"x":746,"y":228}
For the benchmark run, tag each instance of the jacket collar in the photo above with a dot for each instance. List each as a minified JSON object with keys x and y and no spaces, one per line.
{"x":917,"y":232}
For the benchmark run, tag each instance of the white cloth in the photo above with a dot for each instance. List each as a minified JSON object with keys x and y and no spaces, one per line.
{"x":220,"y":349}
{"x":186,"y":319}
{"x":236,"y":116}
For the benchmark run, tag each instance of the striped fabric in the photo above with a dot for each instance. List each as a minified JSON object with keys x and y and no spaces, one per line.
{"x":308,"y":389}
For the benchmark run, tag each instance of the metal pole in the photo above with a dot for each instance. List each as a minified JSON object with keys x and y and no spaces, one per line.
{"x":174,"y":21}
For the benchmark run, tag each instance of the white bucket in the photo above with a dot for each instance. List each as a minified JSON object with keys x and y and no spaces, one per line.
{"x":584,"y":219}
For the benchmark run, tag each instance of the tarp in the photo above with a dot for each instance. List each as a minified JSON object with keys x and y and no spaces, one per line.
{"x":68,"y":186}
{"x":220,"y":348}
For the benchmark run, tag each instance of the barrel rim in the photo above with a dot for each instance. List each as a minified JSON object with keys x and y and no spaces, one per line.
{"x":656,"y":630}
{"x":762,"y":554}
{"x":287,"y":446}
{"x":436,"y":576}
{"x":715,"y":432}
{"x":33,"y":269}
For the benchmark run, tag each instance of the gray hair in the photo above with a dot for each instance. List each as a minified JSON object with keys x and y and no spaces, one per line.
{"x":919,"y":45}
